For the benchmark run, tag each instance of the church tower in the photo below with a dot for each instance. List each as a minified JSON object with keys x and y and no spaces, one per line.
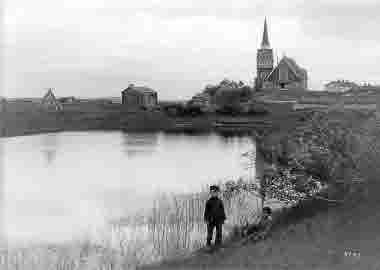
{"x":264,"y":58}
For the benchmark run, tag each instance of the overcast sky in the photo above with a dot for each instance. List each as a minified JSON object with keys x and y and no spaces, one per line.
{"x":93,"y":48}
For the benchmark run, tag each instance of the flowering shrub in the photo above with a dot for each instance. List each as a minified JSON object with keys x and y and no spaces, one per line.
{"x":287,"y":187}
{"x":279,"y":183}
{"x":323,"y":148}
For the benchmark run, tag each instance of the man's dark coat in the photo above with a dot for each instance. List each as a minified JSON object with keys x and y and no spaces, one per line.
{"x":214,"y":211}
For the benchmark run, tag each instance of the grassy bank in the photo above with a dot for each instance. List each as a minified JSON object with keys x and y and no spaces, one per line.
{"x":335,"y":230}
{"x":20,"y":117}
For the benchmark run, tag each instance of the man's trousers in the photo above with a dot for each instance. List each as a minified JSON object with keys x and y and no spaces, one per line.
{"x":210,"y":231}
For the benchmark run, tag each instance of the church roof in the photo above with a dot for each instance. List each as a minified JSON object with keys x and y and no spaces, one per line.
{"x":297,"y":69}
{"x":291,"y":63}
{"x":265,"y":42}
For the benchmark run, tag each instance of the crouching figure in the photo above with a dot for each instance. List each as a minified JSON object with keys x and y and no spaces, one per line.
{"x":261,"y":230}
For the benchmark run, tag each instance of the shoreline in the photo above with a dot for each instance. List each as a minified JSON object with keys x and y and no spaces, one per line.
{"x":18,"y":121}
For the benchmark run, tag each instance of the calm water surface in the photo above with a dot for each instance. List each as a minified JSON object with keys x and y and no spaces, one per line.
{"x":55,"y":186}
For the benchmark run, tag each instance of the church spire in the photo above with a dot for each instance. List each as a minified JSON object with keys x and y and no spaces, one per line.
{"x":265,"y":42}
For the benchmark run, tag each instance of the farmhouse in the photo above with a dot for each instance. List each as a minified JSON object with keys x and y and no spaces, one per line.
{"x":49,"y":102}
{"x":139,"y":97}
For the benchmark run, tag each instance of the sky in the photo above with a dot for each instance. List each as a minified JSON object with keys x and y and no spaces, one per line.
{"x":95,"y":48}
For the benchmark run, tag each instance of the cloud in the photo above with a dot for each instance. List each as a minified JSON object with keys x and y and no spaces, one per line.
{"x":99,"y":46}
{"x":348,"y":20}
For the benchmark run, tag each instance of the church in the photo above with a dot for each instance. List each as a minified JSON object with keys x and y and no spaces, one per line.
{"x":286,"y":75}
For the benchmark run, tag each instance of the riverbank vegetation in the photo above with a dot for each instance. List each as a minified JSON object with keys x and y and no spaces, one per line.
{"x":334,"y":229}
{"x":172,"y":228}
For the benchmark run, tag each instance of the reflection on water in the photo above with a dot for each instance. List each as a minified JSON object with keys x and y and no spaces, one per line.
{"x":2,"y":233}
{"x":58,"y":185}
{"x":49,"y":144}
{"x":139,"y":143}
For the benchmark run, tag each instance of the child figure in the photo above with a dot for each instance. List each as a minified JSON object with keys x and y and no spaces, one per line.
{"x":260,"y":230}
{"x":214,"y":216}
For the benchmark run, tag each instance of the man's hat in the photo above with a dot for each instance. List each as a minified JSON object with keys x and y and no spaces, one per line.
{"x":214,"y":188}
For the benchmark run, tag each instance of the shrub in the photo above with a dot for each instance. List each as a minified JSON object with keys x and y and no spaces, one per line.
{"x":229,"y":109}
{"x":257,"y":108}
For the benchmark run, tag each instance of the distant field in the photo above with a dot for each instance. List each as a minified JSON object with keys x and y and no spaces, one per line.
{"x":20,"y":117}
{"x":25,"y":116}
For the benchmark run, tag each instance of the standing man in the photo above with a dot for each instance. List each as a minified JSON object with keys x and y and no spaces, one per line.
{"x":214,"y":216}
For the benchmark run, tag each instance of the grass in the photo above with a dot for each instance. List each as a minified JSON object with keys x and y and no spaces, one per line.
{"x":177,"y":225}
{"x":317,"y":234}
{"x":114,"y":249}
{"x":172,"y":228}
{"x":21,"y":118}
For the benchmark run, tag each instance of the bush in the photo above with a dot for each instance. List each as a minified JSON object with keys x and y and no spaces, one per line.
{"x":258,"y":108}
{"x":192,"y":110}
{"x":230,"y":109}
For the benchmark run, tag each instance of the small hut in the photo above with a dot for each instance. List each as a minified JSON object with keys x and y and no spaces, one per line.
{"x":49,"y":101}
{"x":140,"y":97}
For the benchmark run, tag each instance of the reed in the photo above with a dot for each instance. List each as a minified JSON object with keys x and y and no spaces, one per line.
{"x":176,"y":223}
{"x":173,"y":227}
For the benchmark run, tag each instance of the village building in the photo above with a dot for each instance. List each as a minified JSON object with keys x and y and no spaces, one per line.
{"x":340,"y":86}
{"x":49,"y":102}
{"x":286,"y":75}
{"x":139,"y":97}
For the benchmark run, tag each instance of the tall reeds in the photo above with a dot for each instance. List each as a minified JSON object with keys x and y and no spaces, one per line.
{"x":173,"y":227}
{"x":177,"y":226}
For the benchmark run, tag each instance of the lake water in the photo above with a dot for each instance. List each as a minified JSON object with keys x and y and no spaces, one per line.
{"x":56,"y":186}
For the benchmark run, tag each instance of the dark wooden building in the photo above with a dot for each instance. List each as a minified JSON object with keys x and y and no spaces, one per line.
{"x":139,"y":97}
